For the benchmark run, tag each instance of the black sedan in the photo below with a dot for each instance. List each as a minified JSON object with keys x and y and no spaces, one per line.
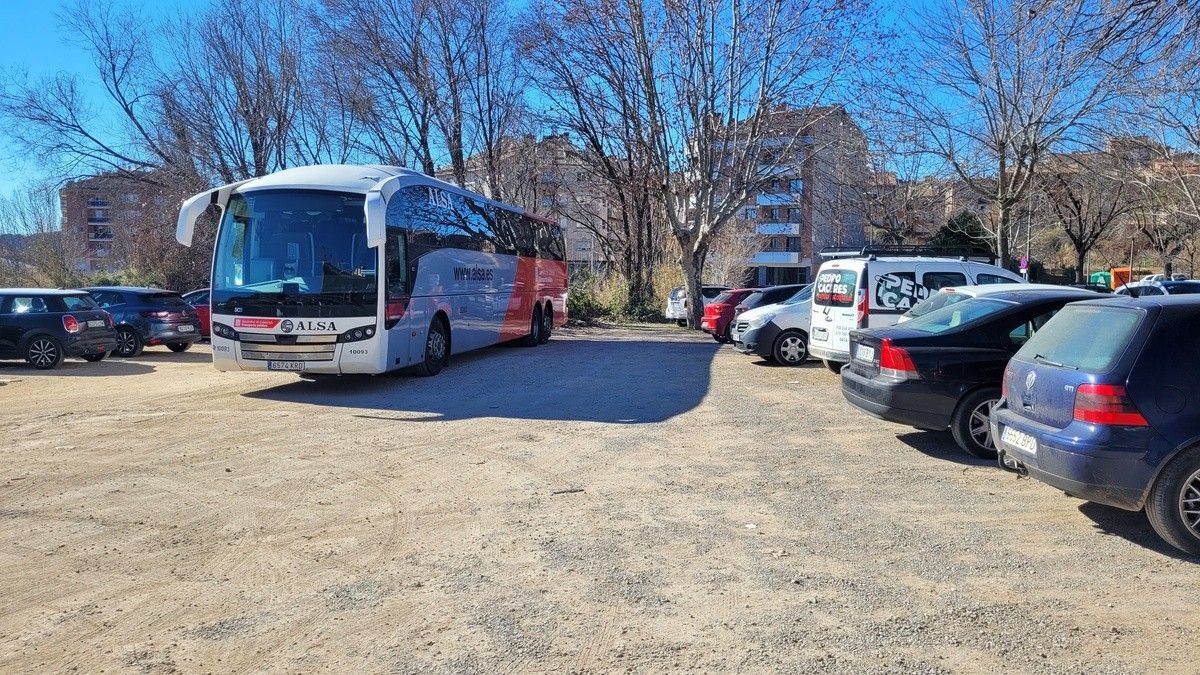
{"x":44,"y":326}
{"x":943,"y":370}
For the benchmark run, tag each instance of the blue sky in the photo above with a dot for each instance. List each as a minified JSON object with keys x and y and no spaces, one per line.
{"x":30,"y":40}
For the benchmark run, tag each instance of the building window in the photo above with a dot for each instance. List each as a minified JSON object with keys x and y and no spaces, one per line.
{"x":583,"y":245}
{"x":775,"y":185}
{"x":751,"y":214}
{"x":793,"y":215}
{"x":130,"y":198}
{"x":796,"y":186}
{"x":97,"y":203}
{"x":773,"y":215}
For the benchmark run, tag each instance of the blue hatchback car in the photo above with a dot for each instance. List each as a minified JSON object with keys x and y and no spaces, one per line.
{"x":1104,"y":404}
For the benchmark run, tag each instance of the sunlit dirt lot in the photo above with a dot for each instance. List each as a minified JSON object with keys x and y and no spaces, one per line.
{"x":634,"y":498}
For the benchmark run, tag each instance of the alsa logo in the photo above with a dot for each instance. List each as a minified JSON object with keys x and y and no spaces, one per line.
{"x":316,"y":325}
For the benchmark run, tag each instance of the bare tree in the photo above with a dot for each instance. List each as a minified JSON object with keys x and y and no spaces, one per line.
{"x":997,"y":84}
{"x":33,"y":248}
{"x":1086,"y":194}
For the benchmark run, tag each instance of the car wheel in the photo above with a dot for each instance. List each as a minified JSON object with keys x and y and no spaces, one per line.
{"x":1173,"y":508}
{"x":535,"y":329}
{"x":129,"y":343}
{"x":95,"y":358}
{"x":834,"y":366}
{"x":44,"y":352}
{"x":437,"y":349}
{"x":178,"y":346}
{"x":971,"y":423}
{"x":791,"y":348}
{"x":682,"y":323}
{"x":547,"y":323}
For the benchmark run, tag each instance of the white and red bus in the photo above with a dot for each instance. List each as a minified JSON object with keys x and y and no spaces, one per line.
{"x":343,"y":269}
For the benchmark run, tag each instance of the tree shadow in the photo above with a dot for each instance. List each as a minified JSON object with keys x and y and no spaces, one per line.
{"x":1131,"y":526}
{"x":941,"y":445}
{"x":591,"y":379}
{"x":763,"y":363}
{"x":74,"y":367}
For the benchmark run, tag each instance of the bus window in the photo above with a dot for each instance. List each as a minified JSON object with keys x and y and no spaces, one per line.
{"x":395,"y":262}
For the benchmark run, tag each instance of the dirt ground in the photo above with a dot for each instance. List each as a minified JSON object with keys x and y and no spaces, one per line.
{"x":620,"y":499}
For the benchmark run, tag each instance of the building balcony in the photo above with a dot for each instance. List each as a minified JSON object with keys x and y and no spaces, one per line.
{"x":777,"y":199}
{"x":779,"y":229}
{"x":777,"y":258}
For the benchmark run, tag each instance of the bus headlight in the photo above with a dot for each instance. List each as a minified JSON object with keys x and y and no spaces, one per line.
{"x":356,"y":334}
{"x":221,"y":330}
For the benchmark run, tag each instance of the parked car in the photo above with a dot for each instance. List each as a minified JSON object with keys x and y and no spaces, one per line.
{"x":198,"y":299}
{"x":1099,"y":288}
{"x":45,"y":326}
{"x":1104,"y":404}
{"x":944,"y":370}
{"x":953,"y":294}
{"x":677,"y":309}
{"x":778,"y":332}
{"x":1162,"y":277}
{"x":1141,"y":289}
{"x":767,"y":296}
{"x":148,"y":316}
{"x":873,"y":289}
{"x":719,"y":312}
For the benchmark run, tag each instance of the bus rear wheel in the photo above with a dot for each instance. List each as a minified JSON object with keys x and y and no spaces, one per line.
{"x":535,"y":329}
{"x":547,"y":323}
{"x":437,"y":349}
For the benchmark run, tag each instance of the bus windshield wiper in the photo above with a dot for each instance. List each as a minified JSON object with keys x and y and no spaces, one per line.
{"x":1043,"y":359}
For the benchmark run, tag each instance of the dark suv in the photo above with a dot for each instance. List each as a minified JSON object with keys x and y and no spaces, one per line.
{"x":44,"y":326}
{"x":1104,"y":404}
{"x":148,"y":316}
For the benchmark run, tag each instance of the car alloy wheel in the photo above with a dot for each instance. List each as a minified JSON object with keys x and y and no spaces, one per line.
{"x":981,"y":424}
{"x":43,"y":353}
{"x":1189,"y":504}
{"x":126,"y":343}
{"x":793,"y":349}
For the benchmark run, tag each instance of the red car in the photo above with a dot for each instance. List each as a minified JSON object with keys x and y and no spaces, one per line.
{"x":719,"y":312}
{"x":198,"y":299}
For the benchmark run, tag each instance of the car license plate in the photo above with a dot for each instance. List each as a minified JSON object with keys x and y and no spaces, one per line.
{"x":865,"y":353}
{"x":1019,"y":440}
{"x":186,"y":328}
{"x":95,"y":323}
{"x":285,"y":365}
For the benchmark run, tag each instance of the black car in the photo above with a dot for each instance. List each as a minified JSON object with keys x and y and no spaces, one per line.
{"x":148,"y":316}
{"x":1104,"y":404}
{"x":45,"y":326}
{"x":944,"y":369}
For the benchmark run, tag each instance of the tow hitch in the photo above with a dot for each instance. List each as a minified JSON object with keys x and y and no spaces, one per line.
{"x":1011,"y":464}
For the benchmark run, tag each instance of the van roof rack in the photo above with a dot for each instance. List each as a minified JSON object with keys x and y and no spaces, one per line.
{"x":897,"y":250}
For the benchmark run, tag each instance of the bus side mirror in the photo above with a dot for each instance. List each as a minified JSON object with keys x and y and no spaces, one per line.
{"x":191,"y":210}
{"x":376,"y":217}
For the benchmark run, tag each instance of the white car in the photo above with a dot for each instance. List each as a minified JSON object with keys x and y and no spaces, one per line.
{"x":1140,"y":289}
{"x":776,"y":332}
{"x":951,"y":295}
{"x":677,"y":309}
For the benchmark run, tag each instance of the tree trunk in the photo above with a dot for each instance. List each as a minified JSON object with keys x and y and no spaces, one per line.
{"x":691,"y":264}
{"x":1167,"y":265}
{"x":1081,"y":265}
{"x":1002,"y":251}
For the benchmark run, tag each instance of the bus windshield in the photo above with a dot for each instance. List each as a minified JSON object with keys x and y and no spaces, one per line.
{"x":294,"y":253}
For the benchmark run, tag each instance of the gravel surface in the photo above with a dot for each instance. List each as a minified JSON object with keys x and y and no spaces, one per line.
{"x":620,"y":499}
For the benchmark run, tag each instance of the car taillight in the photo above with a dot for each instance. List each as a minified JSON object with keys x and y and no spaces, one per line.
{"x":860,"y":298}
{"x":1004,"y":383}
{"x":108,"y":320}
{"x":156,"y":315}
{"x":70,"y":323}
{"x":896,"y":362}
{"x":1106,"y":404}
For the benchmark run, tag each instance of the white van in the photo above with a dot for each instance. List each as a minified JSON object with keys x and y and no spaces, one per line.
{"x":874,"y":289}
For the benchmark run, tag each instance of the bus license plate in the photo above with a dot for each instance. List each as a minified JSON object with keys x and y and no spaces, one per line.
{"x":285,"y":365}
{"x":1019,"y":440}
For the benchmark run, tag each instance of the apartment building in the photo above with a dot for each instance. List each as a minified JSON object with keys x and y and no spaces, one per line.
{"x":103,"y":216}
{"x":818,"y":170}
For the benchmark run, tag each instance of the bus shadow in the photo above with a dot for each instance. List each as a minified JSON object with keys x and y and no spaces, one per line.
{"x":589,"y":380}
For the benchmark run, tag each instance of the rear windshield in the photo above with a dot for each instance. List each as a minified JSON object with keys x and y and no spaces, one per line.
{"x":711,"y":292}
{"x":936,"y":301}
{"x":722,"y":298}
{"x":753,"y":299}
{"x":1087,"y":337}
{"x":958,"y":314}
{"x":800,"y":296}
{"x":164,"y":300}
{"x":77,"y":303}
{"x":835,"y":288}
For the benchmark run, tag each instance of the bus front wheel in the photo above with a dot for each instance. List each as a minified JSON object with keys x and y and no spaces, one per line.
{"x":437,"y":349}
